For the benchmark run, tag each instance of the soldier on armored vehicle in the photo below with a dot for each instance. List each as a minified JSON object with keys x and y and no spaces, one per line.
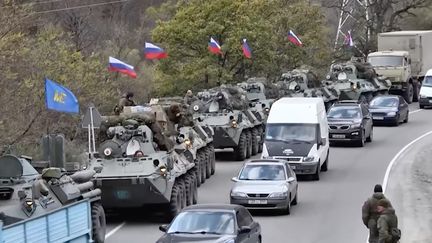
{"x":27,"y":194}
{"x":236,"y":125}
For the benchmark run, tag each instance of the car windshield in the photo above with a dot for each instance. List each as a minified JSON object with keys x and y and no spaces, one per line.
{"x":263,"y":172}
{"x":427,"y":81}
{"x":291,"y":132}
{"x":202,"y":222}
{"x":341,"y":112}
{"x":386,"y":61}
{"x":384,"y":102}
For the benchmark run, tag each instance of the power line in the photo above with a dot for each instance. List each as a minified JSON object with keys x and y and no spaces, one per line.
{"x":78,"y":7}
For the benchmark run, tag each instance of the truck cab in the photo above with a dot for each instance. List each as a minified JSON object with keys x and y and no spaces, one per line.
{"x":396,"y":66}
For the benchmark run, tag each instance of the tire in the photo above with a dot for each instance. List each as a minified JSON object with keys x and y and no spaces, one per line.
{"x":183,"y":193}
{"x":261,"y":143}
{"x":416,"y":91}
{"x":409,"y":93}
{"x":316,"y":176}
{"x":255,"y":143}
{"x":240,"y":150}
{"x":370,"y":137}
{"x":98,"y":223}
{"x":213,"y":159}
{"x":324,"y":167}
{"x":249,"y":146}
{"x":396,"y":123}
{"x":406,"y":118}
{"x":197,"y":173}
{"x":295,"y":201}
{"x":363,"y":99}
{"x":421,"y":106}
{"x":208,"y":162}
{"x":287,"y":210}
{"x":361,"y":142}
{"x":202,"y":161}
{"x":175,"y":201}
{"x":189,"y":189}
{"x":194,"y":189}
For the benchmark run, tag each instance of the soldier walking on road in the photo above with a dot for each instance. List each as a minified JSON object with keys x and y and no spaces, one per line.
{"x":387,"y":223}
{"x":370,"y":213}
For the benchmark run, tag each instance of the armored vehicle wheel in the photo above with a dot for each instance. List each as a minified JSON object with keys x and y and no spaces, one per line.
{"x":208,"y":162}
{"x":194,"y":188}
{"x":241,"y":150}
{"x":255,"y":142}
{"x":249,"y":144}
{"x":261,"y":143}
{"x":175,"y":202}
{"x":213,"y":160}
{"x":98,"y":223}
{"x":189,"y":189}
{"x":363,"y":99}
{"x":197,"y":174}
{"x":182,"y":184}
{"x":202,"y":166}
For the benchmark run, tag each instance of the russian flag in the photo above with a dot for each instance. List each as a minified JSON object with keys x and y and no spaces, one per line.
{"x":348,"y":39}
{"x":214,"y":47}
{"x":152,"y":51}
{"x":116,"y":65}
{"x":294,"y":39}
{"x":246,"y":49}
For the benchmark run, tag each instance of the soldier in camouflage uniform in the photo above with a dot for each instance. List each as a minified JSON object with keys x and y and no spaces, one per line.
{"x":125,"y":100}
{"x":189,"y":97}
{"x":387,"y":222}
{"x":370,"y":214}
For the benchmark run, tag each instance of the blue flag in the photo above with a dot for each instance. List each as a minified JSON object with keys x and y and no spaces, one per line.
{"x":60,"y":98}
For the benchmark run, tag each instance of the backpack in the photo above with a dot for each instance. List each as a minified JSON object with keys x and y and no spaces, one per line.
{"x":396,"y":234}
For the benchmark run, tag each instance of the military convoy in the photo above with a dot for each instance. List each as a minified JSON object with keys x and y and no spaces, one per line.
{"x":148,"y":155}
{"x":25,"y":195}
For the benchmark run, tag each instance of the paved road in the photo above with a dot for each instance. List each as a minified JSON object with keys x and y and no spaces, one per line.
{"x":328,"y":210}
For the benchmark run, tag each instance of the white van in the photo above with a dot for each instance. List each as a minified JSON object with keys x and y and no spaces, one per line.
{"x":297,"y":131}
{"x":426,"y":91}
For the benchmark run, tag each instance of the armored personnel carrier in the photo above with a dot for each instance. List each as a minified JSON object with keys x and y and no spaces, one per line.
{"x":304,"y":83}
{"x":26,"y":194}
{"x":234,"y":120}
{"x":144,"y":158}
{"x":356,"y":80}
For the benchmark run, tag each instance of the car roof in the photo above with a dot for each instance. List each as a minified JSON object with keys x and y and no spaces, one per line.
{"x":347,"y":104}
{"x":265,"y":161}
{"x":386,"y":96}
{"x":213,"y":207}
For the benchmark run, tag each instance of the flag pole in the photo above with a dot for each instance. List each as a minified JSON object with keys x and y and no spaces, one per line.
{"x":92,"y":130}
{"x":89,"y":142}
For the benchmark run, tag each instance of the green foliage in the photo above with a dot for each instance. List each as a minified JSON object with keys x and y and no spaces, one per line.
{"x":264,"y":24}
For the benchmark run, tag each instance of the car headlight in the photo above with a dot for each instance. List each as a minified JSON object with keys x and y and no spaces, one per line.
{"x":392,"y":113}
{"x":238,"y":194}
{"x":308,"y":159}
{"x":358,"y":125}
{"x":278,"y":195}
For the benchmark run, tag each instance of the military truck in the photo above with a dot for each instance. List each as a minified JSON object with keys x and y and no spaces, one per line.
{"x":142,"y":160}
{"x":25,"y":194}
{"x":304,"y":83}
{"x":356,"y":80}
{"x":234,"y":120}
{"x":404,"y":57}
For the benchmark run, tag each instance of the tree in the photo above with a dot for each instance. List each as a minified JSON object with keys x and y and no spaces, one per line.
{"x":264,"y":24}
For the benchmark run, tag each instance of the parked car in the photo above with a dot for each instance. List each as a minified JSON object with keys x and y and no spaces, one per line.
{"x":265,"y":184}
{"x":389,"y":109}
{"x":350,"y":121}
{"x":219,"y":223}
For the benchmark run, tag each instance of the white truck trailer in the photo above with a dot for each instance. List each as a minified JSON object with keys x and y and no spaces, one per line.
{"x":404,"y":57}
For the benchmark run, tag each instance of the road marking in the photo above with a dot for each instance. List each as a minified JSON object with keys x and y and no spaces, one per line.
{"x":414,"y":111}
{"x":396,"y":157}
{"x":113,"y":231}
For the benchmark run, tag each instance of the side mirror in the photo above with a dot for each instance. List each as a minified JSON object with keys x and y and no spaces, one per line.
{"x":245,"y":229}
{"x":291,"y":179}
{"x":163,"y":228}
{"x":235,"y":179}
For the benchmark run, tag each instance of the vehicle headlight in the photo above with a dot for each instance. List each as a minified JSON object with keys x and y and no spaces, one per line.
{"x":358,"y":125}
{"x":308,"y":159}
{"x":279,"y":195}
{"x":392,"y":113}
{"x":238,"y":194}
{"x":107,"y":152}
{"x":196,"y":108}
{"x":234,"y":123}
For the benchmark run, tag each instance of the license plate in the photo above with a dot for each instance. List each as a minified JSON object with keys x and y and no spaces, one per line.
{"x":378,"y":118}
{"x":257,"y":201}
{"x":338,"y":136}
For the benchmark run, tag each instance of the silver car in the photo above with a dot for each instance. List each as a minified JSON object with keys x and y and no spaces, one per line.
{"x":265,"y":184}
